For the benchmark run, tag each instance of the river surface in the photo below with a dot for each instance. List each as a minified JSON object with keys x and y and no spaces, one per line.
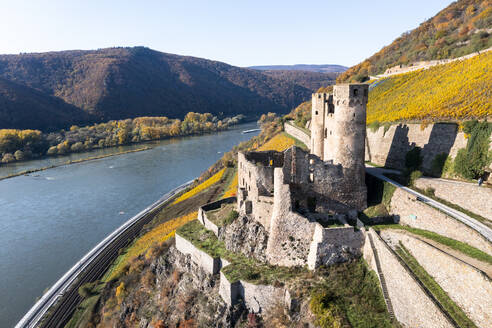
{"x":50,"y":219}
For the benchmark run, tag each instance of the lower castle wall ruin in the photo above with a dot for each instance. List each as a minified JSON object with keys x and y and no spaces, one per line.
{"x":334,"y":245}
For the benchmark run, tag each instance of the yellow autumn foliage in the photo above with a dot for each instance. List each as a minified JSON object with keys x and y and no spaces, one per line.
{"x":232,"y":188}
{"x":202,"y":186}
{"x":455,"y":91}
{"x":280,"y":142}
{"x":159,"y":234}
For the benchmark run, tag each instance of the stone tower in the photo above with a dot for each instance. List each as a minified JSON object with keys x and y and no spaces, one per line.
{"x":321,"y":105}
{"x":345,"y":127}
{"x":338,"y":132}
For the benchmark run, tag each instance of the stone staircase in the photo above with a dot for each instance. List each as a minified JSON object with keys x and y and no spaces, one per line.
{"x":384,"y":287}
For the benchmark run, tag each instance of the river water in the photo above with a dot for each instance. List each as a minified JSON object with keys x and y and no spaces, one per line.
{"x":50,"y":219}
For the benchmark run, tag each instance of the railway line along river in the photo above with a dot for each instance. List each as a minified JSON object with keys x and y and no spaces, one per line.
{"x":50,"y":219}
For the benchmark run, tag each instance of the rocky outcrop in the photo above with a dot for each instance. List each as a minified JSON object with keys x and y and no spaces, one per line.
{"x":246,"y":236}
{"x":170,"y":291}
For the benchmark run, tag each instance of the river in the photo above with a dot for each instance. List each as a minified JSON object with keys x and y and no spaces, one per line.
{"x":50,"y":219}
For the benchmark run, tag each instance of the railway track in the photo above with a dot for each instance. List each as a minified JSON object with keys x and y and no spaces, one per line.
{"x":57,"y":305}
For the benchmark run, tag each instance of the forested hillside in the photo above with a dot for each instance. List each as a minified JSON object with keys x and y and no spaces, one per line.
{"x":119,"y":83}
{"x":461,"y":28}
{"x":24,"y":107}
{"x":460,"y":90}
{"x":303,"y":67}
{"x":310,"y":80}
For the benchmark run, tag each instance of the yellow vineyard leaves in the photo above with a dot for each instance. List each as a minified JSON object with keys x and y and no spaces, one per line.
{"x":455,"y":91}
{"x":207,"y":183}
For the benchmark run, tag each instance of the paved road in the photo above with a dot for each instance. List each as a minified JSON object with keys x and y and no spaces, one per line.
{"x":472,"y":223}
{"x":75,"y":276}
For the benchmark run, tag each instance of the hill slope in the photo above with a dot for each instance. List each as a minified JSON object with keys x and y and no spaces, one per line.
{"x":310,"y":80}
{"x":23,"y":107}
{"x":120,"y":83}
{"x":455,"y":91}
{"x":461,"y":28}
{"x":303,"y":67}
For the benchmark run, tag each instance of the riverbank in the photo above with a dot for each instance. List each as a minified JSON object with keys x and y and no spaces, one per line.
{"x":73,"y":162}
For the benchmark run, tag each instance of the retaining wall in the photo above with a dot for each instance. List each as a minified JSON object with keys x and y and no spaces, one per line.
{"x":202,"y":215}
{"x":467,"y":195}
{"x":298,"y":133}
{"x":467,"y":287}
{"x":389,"y":148}
{"x":411,"y":305}
{"x":416,"y":214}
{"x":209,"y":264}
{"x":334,"y":245}
{"x":257,"y":298}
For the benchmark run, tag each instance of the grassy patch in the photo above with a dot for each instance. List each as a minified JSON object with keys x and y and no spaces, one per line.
{"x":452,"y":243}
{"x":220,"y":216}
{"x":447,"y":303}
{"x":349,"y":296}
{"x":242,"y":267}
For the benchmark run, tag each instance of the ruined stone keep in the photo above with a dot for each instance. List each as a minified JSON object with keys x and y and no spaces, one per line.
{"x":306,"y":199}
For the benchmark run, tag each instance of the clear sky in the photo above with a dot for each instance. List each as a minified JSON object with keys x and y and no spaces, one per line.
{"x":238,"y":32}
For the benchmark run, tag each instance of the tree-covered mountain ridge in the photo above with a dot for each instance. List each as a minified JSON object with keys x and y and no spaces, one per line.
{"x":460,"y":29}
{"x":119,"y":83}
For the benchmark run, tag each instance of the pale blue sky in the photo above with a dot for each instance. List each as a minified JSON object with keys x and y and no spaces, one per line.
{"x":238,"y":32}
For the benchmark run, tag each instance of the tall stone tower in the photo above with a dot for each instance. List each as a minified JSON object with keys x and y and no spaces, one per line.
{"x":338,"y":132}
{"x":344,"y":142}
{"x":321,"y":104}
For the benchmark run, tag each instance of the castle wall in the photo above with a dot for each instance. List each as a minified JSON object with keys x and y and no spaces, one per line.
{"x":334,"y":245}
{"x":334,"y":188}
{"x":208,"y":263}
{"x":255,"y":183}
{"x":298,"y":133}
{"x":290,"y":233}
{"x":467,"y":287}
{"x":318,"y":122}
{"x":416,"y":214}
{"x":389,"y":148}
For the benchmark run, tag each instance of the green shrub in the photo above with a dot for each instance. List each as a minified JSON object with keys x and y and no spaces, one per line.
{"x":413,"y":177}
{"x":374,"y":126}
{"x":471,"y":161}
{"x":231,"y":217}
{"x":430,"y":191}
{"x":438,"y":163}
{"x":413,"y":160}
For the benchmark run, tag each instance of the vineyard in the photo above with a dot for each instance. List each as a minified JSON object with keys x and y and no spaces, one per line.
{"x":460,"y":90}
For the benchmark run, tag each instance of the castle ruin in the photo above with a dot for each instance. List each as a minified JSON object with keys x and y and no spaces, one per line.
{"x":305,"y":200}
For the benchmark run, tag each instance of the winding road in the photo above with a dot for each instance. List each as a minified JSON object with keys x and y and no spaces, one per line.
{"x":471,"y":222}
{"x":58,"y":303}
